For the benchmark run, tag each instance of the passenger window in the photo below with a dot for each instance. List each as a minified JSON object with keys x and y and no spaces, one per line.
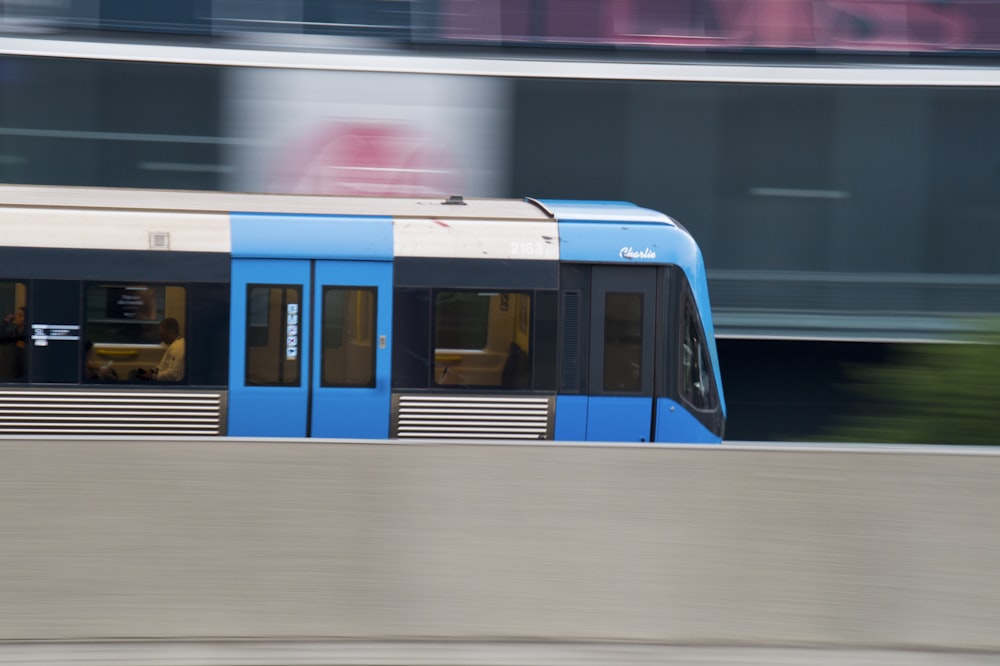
{"x":696,"y":378}
{"x":136,"y":332}
{"x":348,"y":345}
{"x":623,"y":316}
{"x":13,"y":331}
{"x":482,"y":338}
{"x":272,"y":334}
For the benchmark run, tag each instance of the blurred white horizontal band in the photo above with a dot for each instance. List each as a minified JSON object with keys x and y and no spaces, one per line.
{"x":385,"y":169}
{"x":553,"y":66}
{"x":844,"y":276}
{"x":185,"y":167}
{"x":798,"y":193}
{"x":296,"y":24}
{"x":835,"y":326}
{"x":87,"y":135}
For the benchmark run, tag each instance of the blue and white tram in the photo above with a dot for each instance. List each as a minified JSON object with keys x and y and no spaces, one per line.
{"x":336,"y":317}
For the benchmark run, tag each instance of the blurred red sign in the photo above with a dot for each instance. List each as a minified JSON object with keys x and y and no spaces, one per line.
{"x":368,"y":158}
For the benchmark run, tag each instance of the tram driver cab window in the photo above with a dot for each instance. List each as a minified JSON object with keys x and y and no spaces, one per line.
{"x":135,"y":332}
{"x":696,"y":382}
{"x":482,"y":339}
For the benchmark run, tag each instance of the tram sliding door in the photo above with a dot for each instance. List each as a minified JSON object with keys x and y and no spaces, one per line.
{"x":268,"y":358}
{"x":351,"y":352}
{"x":310,"y":353}
{"x":623,"y":315}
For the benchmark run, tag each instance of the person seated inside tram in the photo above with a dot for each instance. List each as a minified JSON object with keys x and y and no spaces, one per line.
{"x":13,"y":341}
{"x":95,"y":369}
{"x":171,"y":365}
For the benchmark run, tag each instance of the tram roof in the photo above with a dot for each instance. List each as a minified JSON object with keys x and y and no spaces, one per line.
{"x":592,"y":211}
{"x":230,"y":202}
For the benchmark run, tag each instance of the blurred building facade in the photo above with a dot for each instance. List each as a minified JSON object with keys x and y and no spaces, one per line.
{"x":893,"y":26}
{"x":837,"y":160}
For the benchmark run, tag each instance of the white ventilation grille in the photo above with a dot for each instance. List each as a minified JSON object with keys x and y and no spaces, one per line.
{"x":472,"y":417}
{"x":85,"y":412}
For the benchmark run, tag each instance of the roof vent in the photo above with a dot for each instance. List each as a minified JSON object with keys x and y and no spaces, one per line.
{"x":454,"y":200}
{"x":159,"y":240}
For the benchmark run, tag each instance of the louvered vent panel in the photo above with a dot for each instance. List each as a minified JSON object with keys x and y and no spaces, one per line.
{"x":569,"y":380}
{"x":472,"y":417}
{"x":138,"y":412}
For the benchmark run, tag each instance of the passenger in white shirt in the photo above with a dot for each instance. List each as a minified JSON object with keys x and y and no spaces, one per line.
{"x":171,"y":366}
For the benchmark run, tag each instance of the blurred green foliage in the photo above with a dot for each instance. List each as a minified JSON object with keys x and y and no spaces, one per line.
{"x":929,"y":394}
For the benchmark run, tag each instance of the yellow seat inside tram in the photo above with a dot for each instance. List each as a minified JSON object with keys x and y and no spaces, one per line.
{"x":124,"y":360}
{"x":505,"y":329}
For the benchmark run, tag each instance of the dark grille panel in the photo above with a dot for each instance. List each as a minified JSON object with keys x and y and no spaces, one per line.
{"x":109,"y":412}
{"x":472,"y":417}
{"x":569,"y":373}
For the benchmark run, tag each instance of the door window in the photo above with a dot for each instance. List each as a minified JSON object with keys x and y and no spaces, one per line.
{"x":274,"y":321}
{"x":623,"y":330}
{"x":348,"y":344}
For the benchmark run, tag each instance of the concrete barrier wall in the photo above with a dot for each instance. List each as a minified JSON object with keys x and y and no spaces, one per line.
{"x":371,"y":541}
